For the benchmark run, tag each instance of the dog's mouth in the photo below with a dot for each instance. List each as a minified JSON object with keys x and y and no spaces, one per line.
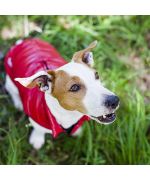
{"x":105,"y":119}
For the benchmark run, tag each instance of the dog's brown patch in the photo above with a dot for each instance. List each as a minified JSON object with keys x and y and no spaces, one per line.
{"x":61,"y":84}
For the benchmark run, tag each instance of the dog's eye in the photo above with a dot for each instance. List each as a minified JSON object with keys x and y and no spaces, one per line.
{"x":75,"y":88}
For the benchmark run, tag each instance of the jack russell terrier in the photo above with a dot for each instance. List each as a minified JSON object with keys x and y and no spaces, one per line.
{"x":56,"y":95}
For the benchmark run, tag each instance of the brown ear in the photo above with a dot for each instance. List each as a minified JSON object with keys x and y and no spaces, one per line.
{"x":85,"y":55}
{"x":41,"y":79}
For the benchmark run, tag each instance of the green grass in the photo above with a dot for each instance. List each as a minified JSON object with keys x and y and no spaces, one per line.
{"x":127,"y":140}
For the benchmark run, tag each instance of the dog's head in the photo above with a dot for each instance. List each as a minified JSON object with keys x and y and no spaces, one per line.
{"x":77,"y":87}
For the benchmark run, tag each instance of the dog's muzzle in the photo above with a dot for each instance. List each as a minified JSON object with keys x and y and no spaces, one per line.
{"x":112,"y":103}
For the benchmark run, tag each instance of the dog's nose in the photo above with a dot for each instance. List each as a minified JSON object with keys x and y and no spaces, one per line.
{"x":111,"y":101}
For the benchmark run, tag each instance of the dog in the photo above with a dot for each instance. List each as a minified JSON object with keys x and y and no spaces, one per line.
{"x":57,"y":96}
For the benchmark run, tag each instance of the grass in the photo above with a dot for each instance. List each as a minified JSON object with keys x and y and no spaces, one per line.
{"x":123,"y":61}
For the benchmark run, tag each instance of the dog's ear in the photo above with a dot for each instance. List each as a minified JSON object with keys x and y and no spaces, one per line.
{"x":41,"y":79}
{"x":85,"y":55}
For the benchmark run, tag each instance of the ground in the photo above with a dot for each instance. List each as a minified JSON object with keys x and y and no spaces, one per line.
{"x":123,"y":62}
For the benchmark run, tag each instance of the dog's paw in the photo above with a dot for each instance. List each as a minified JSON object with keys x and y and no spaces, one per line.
{"x":36,"y":139}
{"x":78,"y":132}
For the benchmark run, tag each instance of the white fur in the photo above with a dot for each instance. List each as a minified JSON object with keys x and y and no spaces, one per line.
{"x":13,"y":91}
{"x":37,"y":139}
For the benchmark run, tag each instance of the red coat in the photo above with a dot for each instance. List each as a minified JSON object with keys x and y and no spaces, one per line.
{"x":24,"y":60}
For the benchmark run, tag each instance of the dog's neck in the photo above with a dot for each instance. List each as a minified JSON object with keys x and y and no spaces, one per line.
{"x":64,"y":117}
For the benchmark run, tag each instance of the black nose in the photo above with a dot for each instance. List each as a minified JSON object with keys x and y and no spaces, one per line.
{"x":112,"y":101}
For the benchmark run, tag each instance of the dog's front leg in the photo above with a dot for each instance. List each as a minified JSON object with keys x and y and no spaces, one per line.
{"x":37,"y":138}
